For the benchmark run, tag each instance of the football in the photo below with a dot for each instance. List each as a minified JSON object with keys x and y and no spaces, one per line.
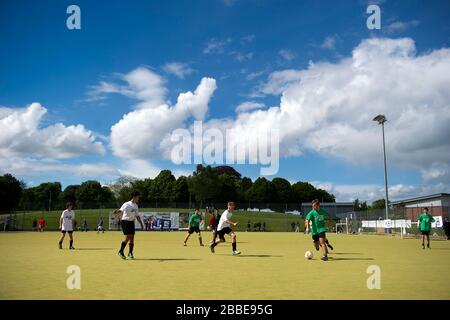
{"x":308,"y":255}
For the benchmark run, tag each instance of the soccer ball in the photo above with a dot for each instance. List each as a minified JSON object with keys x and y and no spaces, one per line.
{"x":308,"y":255}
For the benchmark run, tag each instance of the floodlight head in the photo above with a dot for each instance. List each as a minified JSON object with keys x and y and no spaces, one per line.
{"x":380,"y":118}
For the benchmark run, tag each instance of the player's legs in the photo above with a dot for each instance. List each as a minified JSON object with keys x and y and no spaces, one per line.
{"x":71,"y":240}
{"x":62,"y":239}
{"x":234,"y":243}
{"x":328,"y":244}
{"x":428,"y":241}
{"x":187,"y":237}
{"x":123,"y":245}
{"x":131,"y":246}
{"x":324,"y":248}
{"x":423,"y":241}
{"x":200,"y":238}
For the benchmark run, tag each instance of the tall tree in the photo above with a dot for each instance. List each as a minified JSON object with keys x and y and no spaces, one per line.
{"x":11,"y":191}
{"x":204,"y":184}
{"x":283,"y":189}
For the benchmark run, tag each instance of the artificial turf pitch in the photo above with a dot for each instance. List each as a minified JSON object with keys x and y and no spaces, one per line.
{"x":272,"y":266}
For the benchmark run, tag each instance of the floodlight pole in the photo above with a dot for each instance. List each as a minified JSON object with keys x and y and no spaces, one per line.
{"x":381,"y":119}
{"x":385,"y":174}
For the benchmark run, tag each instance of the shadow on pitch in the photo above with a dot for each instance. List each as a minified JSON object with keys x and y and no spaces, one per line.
{"x":252,"y":255}
{"x":94,"y":248}
{"x":163,"y":260}
{"x":349,"y":259}
{"x":331,"y":252}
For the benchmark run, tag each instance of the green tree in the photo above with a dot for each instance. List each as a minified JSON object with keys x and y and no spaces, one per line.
{"x":91,"y":194}
{"x":69,"y":194}
{"x":378,"y":204}
{"x":204,"y":184}
{"x":181,"y":190}
{"x":11,"y":191}
{"x":262,"y":190}
{"x":162,"y":187}
{"x":283,"y":189}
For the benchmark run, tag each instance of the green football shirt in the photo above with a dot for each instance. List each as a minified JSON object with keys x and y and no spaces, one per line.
{"x":425,"y":220}
{"x":194,"y":220}
{"x":318,"y":220}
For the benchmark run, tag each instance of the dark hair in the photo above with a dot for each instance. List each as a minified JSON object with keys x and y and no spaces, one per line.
{"x":69,"y":204}
{"x":426,"y":208}
{"x":135,"y":194}
{"x":315,"y":201}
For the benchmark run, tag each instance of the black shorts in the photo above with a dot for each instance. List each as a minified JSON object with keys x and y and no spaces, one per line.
{"x":316,"y":237}
{"x":223,"y":232}
{"x":128,"y":227}
{"x":425,"y":233}
{"x":194,"y":229}
{"x":64,"y":232}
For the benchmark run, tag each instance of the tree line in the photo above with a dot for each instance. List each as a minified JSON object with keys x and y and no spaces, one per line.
{"x":205,"y":186}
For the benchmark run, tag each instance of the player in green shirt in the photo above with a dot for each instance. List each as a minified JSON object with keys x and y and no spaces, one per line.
{"x":316,"y":218}
{"x":194,"y":226}
{"x":424,"y":224}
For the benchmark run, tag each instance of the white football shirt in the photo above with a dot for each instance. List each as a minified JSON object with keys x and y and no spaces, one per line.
{"x":226,"y":215}
{"x":68,"y":216}
{"x":129,"y":211}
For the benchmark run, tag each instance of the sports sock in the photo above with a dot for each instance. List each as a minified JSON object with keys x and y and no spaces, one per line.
{"x":234,"y":246}
{"x":122,"y":246}
{"x":131,"y":248}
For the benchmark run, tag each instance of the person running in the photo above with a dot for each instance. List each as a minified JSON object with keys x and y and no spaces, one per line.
{"x":67,"y":224}
{"x":130,"y":213}
{"x":317,"y":217}
{"x":424,"y":223}
{"x":100,"y":225}
{"x":194,"y":226}
{"x":224,"y":228}
{"x":213,"y":223}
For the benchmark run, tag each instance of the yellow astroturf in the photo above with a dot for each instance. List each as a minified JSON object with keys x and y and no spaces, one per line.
{"x":272,"y":266}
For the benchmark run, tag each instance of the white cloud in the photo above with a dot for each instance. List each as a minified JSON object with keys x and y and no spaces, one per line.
{"x":254,"y":75}
{"x":248,"y":38}
{"x":372,"y":192}
{"x":216,"y":46}
{"x":279,"y":81}
{"x":329,"y":42}
{"x":179,"y":69}
{"x":29,"y":167}
{"x":141,"y":169}
{"x":287,"y":54}
{"x":140,"y":133}
{"x":400,"y":26}
{"x":241,"y":57}
{"x":328,"y":107}
{"x":248,"y":106}
{"x":141,"y":84}
{"x":229,"y":3}
{"x":22,"y":134}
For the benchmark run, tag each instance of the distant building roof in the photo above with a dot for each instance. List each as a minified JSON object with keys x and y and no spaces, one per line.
{"x":432,"y":196}
{"x":329,"y":204}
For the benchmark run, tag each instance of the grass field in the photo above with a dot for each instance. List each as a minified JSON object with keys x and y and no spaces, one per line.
{"x":272,"y":266}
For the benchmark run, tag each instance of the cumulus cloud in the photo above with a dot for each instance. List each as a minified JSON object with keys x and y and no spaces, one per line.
{"x":329,"y":42}
{"x":248,"y":106}
{"x":142,"y":84}
{"x":400,"y":26}
{"x":216,"y":45}
{"x":328,"y":107}
{"x":141,"y":133}
{"x":179,"y":69}
{"x":22,"y":134}
{"x":287,"y":54}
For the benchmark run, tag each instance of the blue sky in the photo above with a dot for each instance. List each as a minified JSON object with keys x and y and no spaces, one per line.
{"x":238,"y":43}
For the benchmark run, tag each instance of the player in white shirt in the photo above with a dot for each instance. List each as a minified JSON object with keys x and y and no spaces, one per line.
{"x":224,"y":228}
{"x":66,"y":224}
{"x":130,"y":213}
